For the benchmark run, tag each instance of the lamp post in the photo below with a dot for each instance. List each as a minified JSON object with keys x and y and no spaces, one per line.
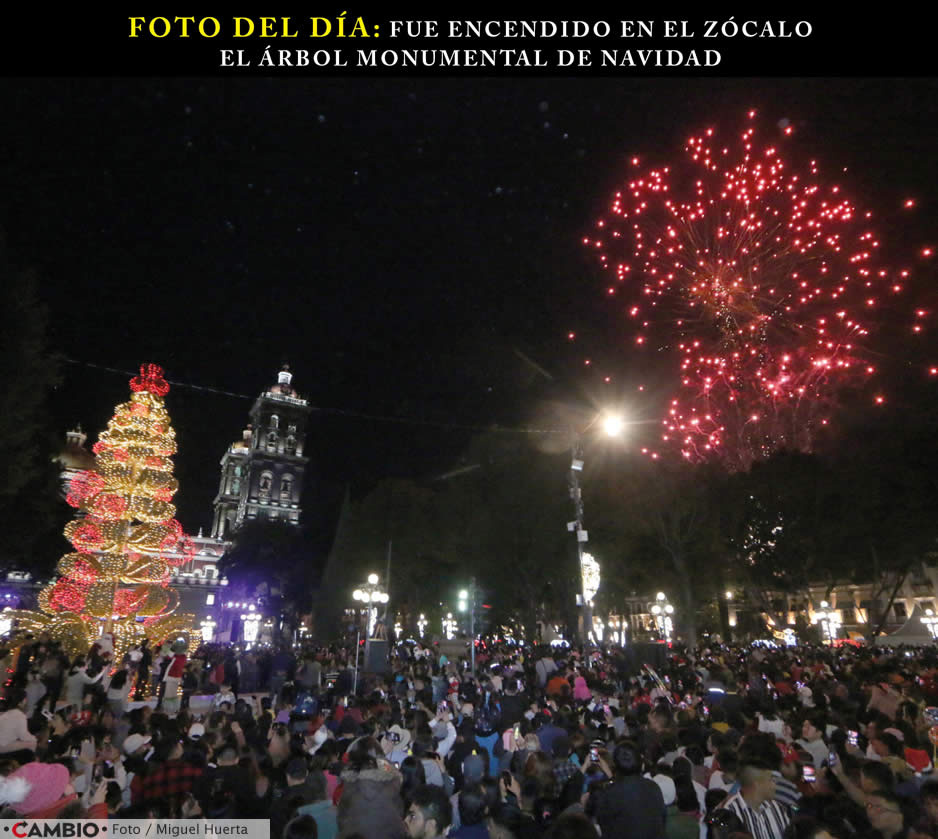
{"x":371,"y":595}
{"x":662,"y":611}
{"x":830,"y":618}
{"x":449,"y":626}
{"x":467,"y":602}
{"x":208,"y":630}
{"x":589,"y":568}
{"x":250,"y":621}
{"x":931,"y":621}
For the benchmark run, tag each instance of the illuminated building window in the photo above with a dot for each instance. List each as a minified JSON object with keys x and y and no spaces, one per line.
{"x":210,"y":599}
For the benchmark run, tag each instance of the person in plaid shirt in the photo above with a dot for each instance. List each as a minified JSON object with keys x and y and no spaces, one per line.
{"x":564,"y":768}
{"x":170,"y":778}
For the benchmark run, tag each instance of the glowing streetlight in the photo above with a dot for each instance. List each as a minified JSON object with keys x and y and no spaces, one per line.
{"x":830,"y":618}
{"x":662,"y":611}
{"x":370,"y":595}
{"x":612,"y":425}
{"x":931,"y":621}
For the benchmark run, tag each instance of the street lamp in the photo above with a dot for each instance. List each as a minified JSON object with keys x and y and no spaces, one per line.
{"x":250,"y":621}
{"x":931,"y":621}
{"x":449,"y":626}
{"x":830,"y":618}
{"x":467,"y":603}
{"x":612,"y":426}
{"x":662,"y":611}
{"x":208,"y":630}
{"x":370,"y":595}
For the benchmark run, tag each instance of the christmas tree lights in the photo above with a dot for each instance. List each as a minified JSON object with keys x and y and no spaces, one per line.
{"x":125,"y":537}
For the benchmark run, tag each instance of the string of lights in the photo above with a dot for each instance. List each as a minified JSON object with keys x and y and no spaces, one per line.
{"x":347,"y":412}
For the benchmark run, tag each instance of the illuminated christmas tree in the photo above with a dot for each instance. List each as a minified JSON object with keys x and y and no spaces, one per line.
{"x":125,"y":537}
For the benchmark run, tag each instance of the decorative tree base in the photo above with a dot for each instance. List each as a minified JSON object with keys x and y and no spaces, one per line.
{"x":77,"y":634}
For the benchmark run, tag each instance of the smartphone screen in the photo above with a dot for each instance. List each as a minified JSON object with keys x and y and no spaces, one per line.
{"x":852,"y":738}
{"x":832,"y":758}
{"x":809,"y":774}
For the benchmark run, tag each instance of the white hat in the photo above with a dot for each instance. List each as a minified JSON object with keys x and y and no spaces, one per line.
{"x":196,"y":730}
{"x":403,"y":736}
{"x":13,"y":790}
{"x":319,"y":737}
{"x":135,"y":741}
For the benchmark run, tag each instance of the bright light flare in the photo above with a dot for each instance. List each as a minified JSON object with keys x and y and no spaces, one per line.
{"x":613,"y":425}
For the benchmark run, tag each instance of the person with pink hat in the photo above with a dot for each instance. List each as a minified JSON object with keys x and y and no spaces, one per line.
{"x":50,"y":792}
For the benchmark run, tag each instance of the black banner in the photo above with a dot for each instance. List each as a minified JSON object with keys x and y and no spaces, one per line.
{"x":174,"y":40}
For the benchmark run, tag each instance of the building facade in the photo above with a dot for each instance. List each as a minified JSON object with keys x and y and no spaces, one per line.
{"x":262,"y":473}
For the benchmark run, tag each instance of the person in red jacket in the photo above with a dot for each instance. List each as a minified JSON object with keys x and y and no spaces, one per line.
{"x":173,"y":676}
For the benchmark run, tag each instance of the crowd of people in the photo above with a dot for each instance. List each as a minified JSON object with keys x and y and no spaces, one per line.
{"x":725,"y":742}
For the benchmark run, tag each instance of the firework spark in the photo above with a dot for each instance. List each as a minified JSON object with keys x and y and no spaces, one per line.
{"x":763,"y":282}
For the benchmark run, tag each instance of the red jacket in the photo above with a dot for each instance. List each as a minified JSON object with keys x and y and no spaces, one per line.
{"x":176,"y":667}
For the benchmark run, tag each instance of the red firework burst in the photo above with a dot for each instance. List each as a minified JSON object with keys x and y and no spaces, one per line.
{"x":762,"y":282}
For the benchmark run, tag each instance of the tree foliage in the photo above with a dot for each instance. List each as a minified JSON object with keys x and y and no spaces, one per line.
{"x":31,"y":518}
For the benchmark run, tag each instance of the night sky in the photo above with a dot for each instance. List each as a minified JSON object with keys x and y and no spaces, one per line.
{"x":398,"y":241}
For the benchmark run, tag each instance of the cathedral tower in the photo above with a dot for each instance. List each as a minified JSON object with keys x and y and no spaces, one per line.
{"x":262,"y":473}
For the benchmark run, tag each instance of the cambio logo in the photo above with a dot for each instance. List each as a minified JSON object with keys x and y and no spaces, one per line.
{"x":60,"y":829}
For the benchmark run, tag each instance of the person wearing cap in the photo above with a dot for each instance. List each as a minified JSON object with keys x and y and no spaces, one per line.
{"x":136,"y":748}
{"x":395,"y":743}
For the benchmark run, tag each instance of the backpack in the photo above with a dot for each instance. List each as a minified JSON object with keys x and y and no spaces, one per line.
{"x":487,"y":717}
